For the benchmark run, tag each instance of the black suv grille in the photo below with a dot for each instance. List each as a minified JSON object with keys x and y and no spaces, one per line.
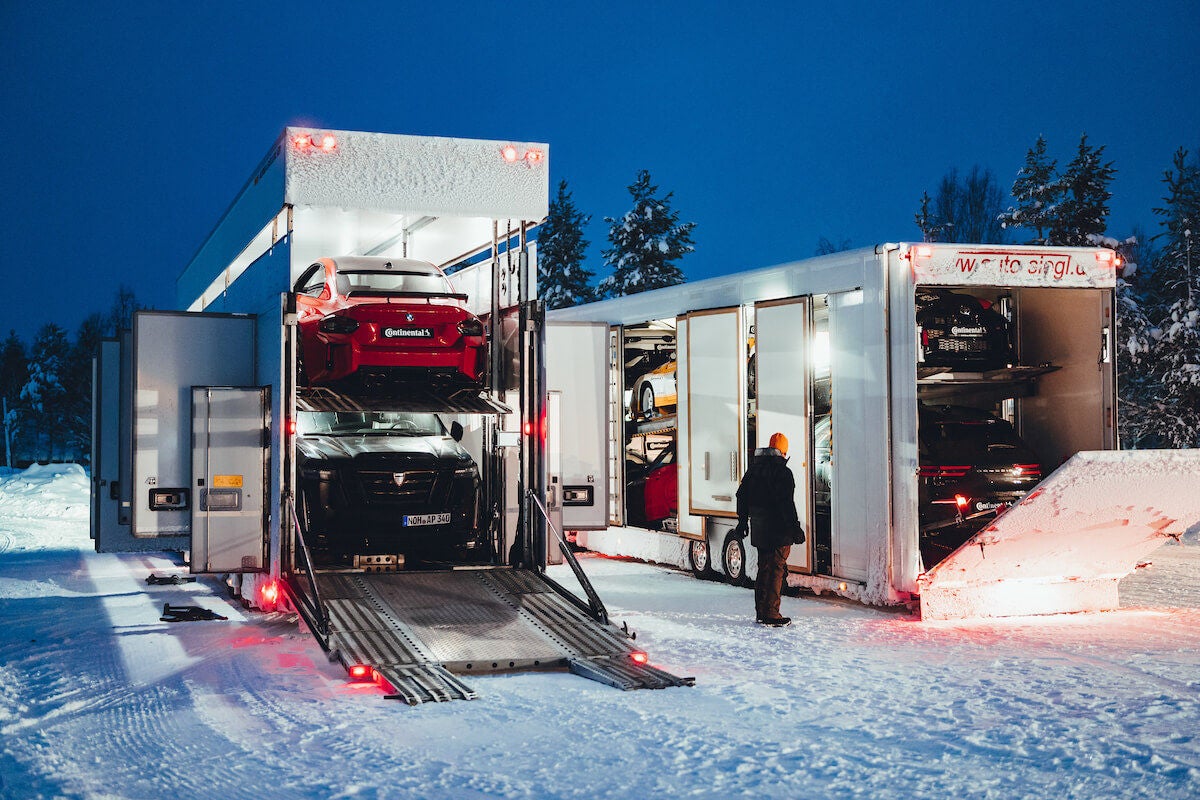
{"x":381,"y":487}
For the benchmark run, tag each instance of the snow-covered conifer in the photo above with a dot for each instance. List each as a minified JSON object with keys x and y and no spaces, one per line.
{"x":562,"y":279}
{"x":1037,"y":190}
{"x":44,"y":398}
{"x":1082,"y":210}
{"x":646,"y":243}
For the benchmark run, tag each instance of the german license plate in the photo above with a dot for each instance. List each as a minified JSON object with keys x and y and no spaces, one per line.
{"x":408,"y":333}
{"x":426,"y":519}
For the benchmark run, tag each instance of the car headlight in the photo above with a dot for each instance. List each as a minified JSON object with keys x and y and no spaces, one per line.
{"x":338,"y":324}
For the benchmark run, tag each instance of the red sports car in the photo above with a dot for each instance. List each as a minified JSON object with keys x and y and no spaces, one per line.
{"x":386,"y":317}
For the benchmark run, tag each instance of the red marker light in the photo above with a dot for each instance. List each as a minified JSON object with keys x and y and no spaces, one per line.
{"x":302,"y":142}
{"x":291,"y":427}
{"x":268,"y":595}
{"x":528,"y":428}
{"x":360,"y":671}
{"x":638,"y":657}
{"x":534,"y":156}
{"x":924,"y":251}
{"x":509,"y":153}
{"x":961,"y":501}
{"x":1105,"y":256}
{"x":329,"y":143}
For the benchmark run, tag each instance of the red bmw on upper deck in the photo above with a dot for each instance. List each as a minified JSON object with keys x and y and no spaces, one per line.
{"x":394,"y":318}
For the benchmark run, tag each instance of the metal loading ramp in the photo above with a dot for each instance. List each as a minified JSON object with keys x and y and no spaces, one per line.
{"x":419,"y":631}
{"x":1065,"y":546}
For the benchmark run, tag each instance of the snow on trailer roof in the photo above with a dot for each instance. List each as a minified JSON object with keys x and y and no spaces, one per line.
{"x":430,"y":175}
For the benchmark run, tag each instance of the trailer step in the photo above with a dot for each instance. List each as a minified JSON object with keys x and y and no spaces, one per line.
{"x":625,"y":674}
{"x":425,"y":683}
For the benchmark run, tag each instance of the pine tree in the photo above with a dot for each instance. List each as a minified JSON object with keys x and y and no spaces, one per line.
{"x":1172,"y":362}
{"x":43,"y":401}
{"x":14,"y":372}
{"x":1176,"y":273}
{"x":77,"y":381}
{"x":646,"y":243}
{"x":1083,"y":209}
{"x":1037,"y":191}
{"x":562,"y":279}
{"x":926,"y":220}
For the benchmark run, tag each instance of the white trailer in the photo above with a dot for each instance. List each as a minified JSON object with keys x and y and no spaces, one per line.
{"x":827,"y":351}
{"x":196,"y":417}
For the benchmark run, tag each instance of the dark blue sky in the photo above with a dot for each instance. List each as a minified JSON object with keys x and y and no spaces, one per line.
{"x":130,"y":126}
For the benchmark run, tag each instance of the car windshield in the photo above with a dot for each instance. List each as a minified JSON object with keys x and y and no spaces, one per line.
{"x":355,"y":423}
{"x":349,"y":281}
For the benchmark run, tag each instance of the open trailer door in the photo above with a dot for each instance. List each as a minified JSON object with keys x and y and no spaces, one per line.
{"x":577,"y":372}
{"x":1066,"y":545}
{"x":715,"y":359}
{"x":782,"y":386}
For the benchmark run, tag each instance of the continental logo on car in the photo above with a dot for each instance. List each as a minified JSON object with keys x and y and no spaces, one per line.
{"x":407,"y":333}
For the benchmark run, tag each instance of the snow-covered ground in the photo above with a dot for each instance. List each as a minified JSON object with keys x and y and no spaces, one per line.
{"x":98,"y":698}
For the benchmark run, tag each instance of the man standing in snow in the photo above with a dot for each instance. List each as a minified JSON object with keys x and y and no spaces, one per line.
{"x":766,"y":502}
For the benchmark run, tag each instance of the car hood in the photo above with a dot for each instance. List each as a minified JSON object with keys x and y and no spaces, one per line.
{"x":329,"y":448}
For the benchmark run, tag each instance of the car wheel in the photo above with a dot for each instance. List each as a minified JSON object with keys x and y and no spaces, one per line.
{"x":647,"y":401}
{"x":733,"y":559}
{"x":699,"y":560}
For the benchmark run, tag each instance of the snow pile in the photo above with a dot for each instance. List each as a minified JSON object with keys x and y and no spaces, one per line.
{"x":1065,"y":546}
{"x":50,"y":491}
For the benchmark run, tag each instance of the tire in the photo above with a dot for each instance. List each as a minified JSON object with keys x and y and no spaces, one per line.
{"x":699,"y":560}
{"x":646,"y":401}
{"x":733,"y":561}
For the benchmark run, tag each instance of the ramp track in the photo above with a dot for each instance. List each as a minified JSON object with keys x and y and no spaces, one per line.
{"x":419,"y":631}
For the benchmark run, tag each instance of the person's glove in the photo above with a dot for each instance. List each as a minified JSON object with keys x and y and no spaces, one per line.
{"x":739,"y":530}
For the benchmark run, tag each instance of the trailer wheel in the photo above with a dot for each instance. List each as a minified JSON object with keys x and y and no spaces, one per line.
{"x":647,"y":401}
{"x":698,"y":557}
{"x":733,"y":560}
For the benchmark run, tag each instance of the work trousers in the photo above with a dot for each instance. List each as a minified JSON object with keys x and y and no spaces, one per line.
{"x":772,"y":569}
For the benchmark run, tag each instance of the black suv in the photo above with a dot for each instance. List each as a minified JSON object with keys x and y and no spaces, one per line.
{"x":375,"y":483}
{"x":961,"y":331}
{"x":972,"y":464}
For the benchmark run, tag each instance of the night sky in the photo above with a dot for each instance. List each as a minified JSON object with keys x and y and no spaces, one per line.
{"x":130,"y":126}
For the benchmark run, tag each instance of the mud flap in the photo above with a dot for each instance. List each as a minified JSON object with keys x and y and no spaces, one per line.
{"x":1066,"y":545}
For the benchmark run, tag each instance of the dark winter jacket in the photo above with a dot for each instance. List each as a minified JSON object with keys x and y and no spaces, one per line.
{"x":766,"y":499}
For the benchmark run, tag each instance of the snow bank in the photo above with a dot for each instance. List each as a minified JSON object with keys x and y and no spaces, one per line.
{"x":1066,"y":545}
{"x":50,"y":491}
{"x":654,"y":547}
